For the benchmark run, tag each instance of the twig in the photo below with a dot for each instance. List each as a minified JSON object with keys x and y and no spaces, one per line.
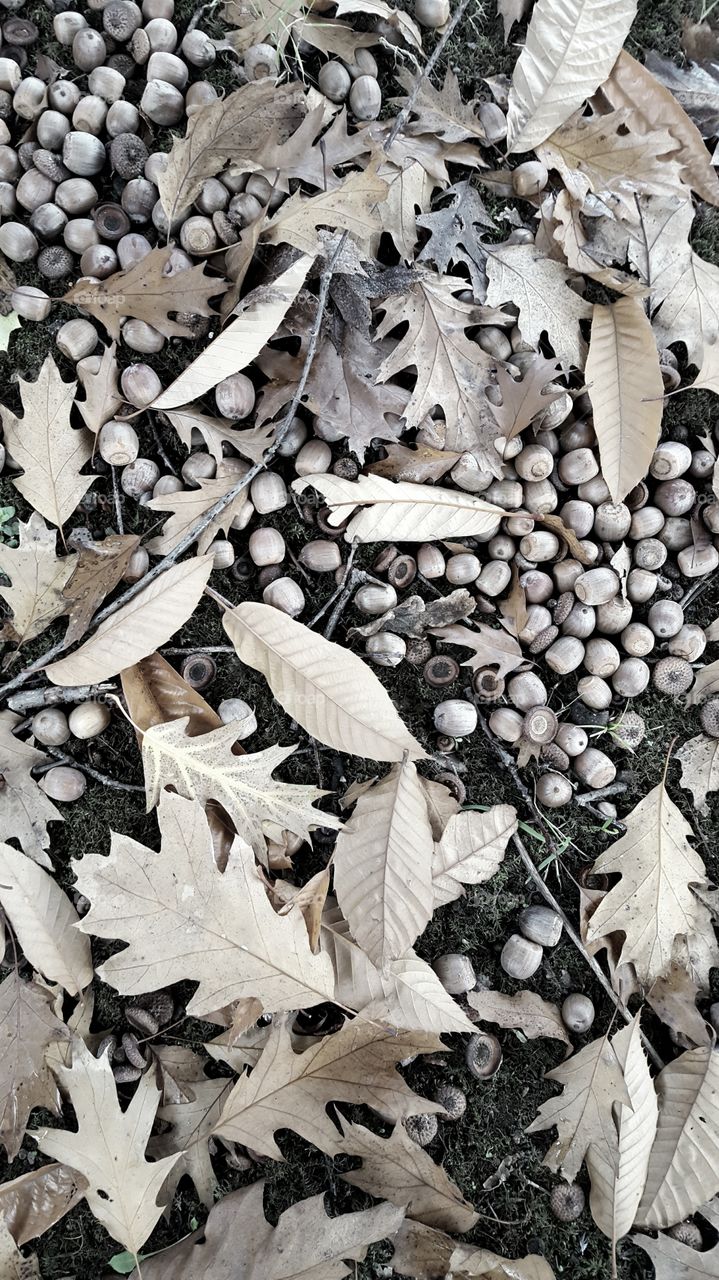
{"x":161,"y":448}
{"x":179,"y":650}
{"x":432,"y":61}
{"x":355,"y":576}
{"x":117,"y":501}
{"x":603,"y":793}
{"x":52,"y":695}
{"x":222,"y":503}
{"x":91,"y":773}
{"x":338,"y":592}
{"x":696,"y":590}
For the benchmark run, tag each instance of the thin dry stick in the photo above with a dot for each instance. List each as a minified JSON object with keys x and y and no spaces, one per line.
{"x":222,"y":503}
{"x":51,"y":696}
{"x":432,"y":61}
{"x":91,"y":773}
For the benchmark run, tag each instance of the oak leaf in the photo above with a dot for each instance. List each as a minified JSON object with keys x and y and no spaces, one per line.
{"x":511,"y":11}
{"x":673,"y":998}
{"x":409,"y":192}
{"x":331,"y":692}
{"x":308,"y":157}
{"x":288,"y":1090}
{"x":470,"y":850}
{"x":205,"y":768}
{"x":673,"y":1260}
{"x":418,"y":464}
{"x":250,"y":442}
{"x":102,"y":393}
{"x":440,"y":111}
{"x":453,"y":235}
{"x":707,"y":679}
{"x":492,"y":647}
{"x":147,"y":291}
{"x":469,"y":1263}
{"x":653,"y":903}
{"x":37,"y":578}
{"x":525,"y":1011}
{"x":108,"y":1147}
{"x":539,"y":287}
{"x":226,"y":935}
{"x":350,"y":207}
{"x":34,"y":1202}
{"x":523,"y":399}
{"x":609,"y":154}
{"x":43,"y":919}
{"x":707,"y":378}
{"x":398,"y":1170}
{"x":188,"y":506}
{"x":306,"y":1244}
{"x":28,"y":1026}
{"x":138,"y":627}
{"x":25,"y":810}
{"x":192,"y":1120}
{"x":50,"y":451}
{"x":401,"y":512}
{"x":698,"y":759}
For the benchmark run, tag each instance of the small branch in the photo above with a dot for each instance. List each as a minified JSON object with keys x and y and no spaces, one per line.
{"x":117,"y":500}
{"x":62,"y":758}
{"x":432,"y":61}
{"x":52,"y":695}
{"x":179,"y":651}
{"x":697,"y":589}
{"x":338,"y":592}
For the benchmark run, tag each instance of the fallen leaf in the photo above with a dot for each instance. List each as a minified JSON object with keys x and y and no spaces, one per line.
{"x":8,"y":324}
{"x":28,"y":1026}
{"x":470,"y":850}
{"x":699,"y":763}
{"x":43,"y":919}
{"x":383,"y":866}
{"x":34,"y":1202}
{"x":469,"y":1262}
{"x":50,"y":451}
{"x":37,"y":577}
{"x":673,"y":1260}
{"x":24,"y":808}
{"x":261,"y":314}
{"x":416,"y":617}
{"x":707,"y":378}
{"x":440,"y":111}
{"x":155,"y":693}
{"x":696,"y":89}
{"x":189,"y":505}
{"x":350,"y":207}
{"x":525,"y":1011}
{"x":421,"y":1251}
{"x":453,"y":233}
{"x":96,"y":571}
{"x":310,"y":899}
{"x":102,"y":393}
{"x":193,"y":1122}
{"x":673,"y":998}
{"x":608,"y":154}
{"x":417,"y":464}
{"x":401,"y":22}
{"x":147,"y":292}
{"x":308,"y":157}
{"x":250,"y":442}
{"x":653,"y":903}
{"x":13,"y":1264}
{"x":398,"y":1170}
{"x":138,"y":628}
{"x":539,"y":287}
{"x":356,"y":1065}
{"x":331,"y":692}
{"x":569,"y":51}
{"x":492,"y":647}
{"x":526,"y":397}
{"x":401,"y":512}
{"x":108,"y":1147}
{"x":226,"y":937}
{"x":705,"y":684}
{"x":512,"y":11}
{"x":625,"y":387}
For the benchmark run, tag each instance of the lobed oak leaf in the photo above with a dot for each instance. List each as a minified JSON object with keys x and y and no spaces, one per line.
{"x":308,"y":157}
{"x":250,"y":442}
{"x":37,"y":578}
{"x":352,"y":206}
{"x":25,"y":810}
{"x":418,"y":464}
{"x":102,"y":393}
{"x":226,"y":935}
{"x":440,"y":112}
{"x":674,"y":1260}
{"x":192,"y":1120}
{"x":401,"y":512}
{"x":492,"y":646}
{"x":96,"y":571}
{"x":523,"y":399}
{"x":525,"y":1011}
{"x":28,"y":1026}
{"x":698,"y":759}
{"x":409,"y":190}
{"x":189,"y":505}
{"x":453,"y":236}
{"x":43,"y":919}
{"x":539,"y":287}
{"x":612,"y":156}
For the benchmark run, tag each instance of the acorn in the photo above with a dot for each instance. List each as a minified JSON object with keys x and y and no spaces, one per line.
{"x":456,"y":718}
{"x":520,"y":957}
{"x":240,"y":713}
{"x":456,"y":973}
{"x":89,"y":719}
{"x":49,"y":726}
{"x":431,"y":13}
{"x":365,"y":98}
{"x":567,"y":1201}
{"x":63,"y":783}
{"x":578,"y":1013}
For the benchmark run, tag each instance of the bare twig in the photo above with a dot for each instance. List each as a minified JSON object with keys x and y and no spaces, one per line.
{"x":117,"y":501}
{"x":338,"y":592}
{"x":222,"y":503}
{"x":63,"y":758}
{"x":52,"y":695}
{"x":432,"y":61}
{"x":177,"y":651}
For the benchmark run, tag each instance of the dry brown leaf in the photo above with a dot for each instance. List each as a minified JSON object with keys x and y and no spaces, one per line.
{"x":350,"y":207}
{"x":398,"y":1170}
{"x":102,"y":393}
{"x":673,"y":998}
{"x":34,"y":1202}
{"x":653,"y":903}
{"x":469,"y":1263}
{"x":514,"y":607}
{"x":383,"y":866}
{"x":310,"y":899}
{"x":25,"y":810}
{"x":401,"y":22}
{"x":420,"y":1251}
{"x":582,"y":253}
{"x":471,"y":849}
{"x":627,"y":392}
{"x":609,"y":154}
{"x":37,"y":577}
{"x":402,"y":512}
{"x":43,"y":919}
{"x":524,"y":398}
{"x":148,"y":292}
{"x":238,"y":260}
{"x":192,"y":1119}
{"x":592,"y":1081}
{"x":108,"y":1148}
{"x":96,"y":571}
{"x":306,"y":1244}
{"x":50,"y":451}
{"x":205,"y":768}
{"x":409,"y":192}
{"x":28,"y":1026}
{"x":13,"y":1264}
{"x":189,"y":505}
{"x":618,"y":1177}
{"x":356,"y":1065}
{"x":565,"y":534}
{"x":492,"y":647}
{"x":227,"y":131}
{"x":525,"y":1011}
{"x":261,"y":314}
{"x":138,"y":628}
{"x":673,"y":1260}
{"x":699,"y":762}
{"x":250,"y":442}
{"x":440,"y":111}
{"x":308,"y":157}
{"x":569,"y":51}
{"x":228,"y":938}
{"x":156,"y":693}
{"x":331,"y":692}
{"x":539,"y":287}
{"x":684,"y":1163}
{"x":417,"y":464}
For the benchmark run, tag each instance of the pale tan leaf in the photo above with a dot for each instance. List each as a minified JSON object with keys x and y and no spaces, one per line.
{"x":684,"y":284}
{"x":189,"y":505}
{"x":25,"y":810}
{"x":441,"y":805}
{"x":205,"y":768}
{"x":261,"y":314}
{"x":627,"y":392}
{"x":471,"y":850}
{"x":673,"y":1260}
{"x":707,"y":378}
{"x":525,"y":1011}
{"x":492,"y":646}
{"x":673,"y":998}
{"x":398,"y":1170}
{"x":331,"y":692}
{"x":28,"y":1026}
{"x":526,"y":397}
{"x":193,"y":1120}
{"x":306,"y":1244}
{"x":139,"y":627}
{"x":226,"y":935}
{"x":37,"y":577}
{"x":102,"y":393}
{"x":307,"y":156}
{"x":408,"y":996}
{"x":569,"y":232}
{"x":396,"y":18}
{"x":155,"y":693}
{"x":706,"y":683}
{"x":618,"y":1182}
{"x":440,"y":111}
{"x":43,"y":919}
{"x":350,"y":207}
{"x":383,"y":866}
{"x":699,"y":762}
{"x":592,"y":1081}
{"x":609,"y":153}
{"x":250,"y":442}
{"x":50,"y":451}
{"x":653,"y":903}
{"x":422,"y":1252}
{"x":539,"y":287}
{"x":13,"y":1264}
{"x":684,"y":1163}
{"x":570,"y":49}
{"x":148,"y":292}
{"x":108,"y":1148}
{"x":34,"y":1202}
{"x":285,"y":1089}
{"x":310,"y":899}
{"x":231,"y":129}
{"x":96,"y":571}
{"x":409,"y":192}
{"x":512,"y":11}
{"x":654,"y":107}
{"x":469,"y":1263}
{"x":402,"y":512}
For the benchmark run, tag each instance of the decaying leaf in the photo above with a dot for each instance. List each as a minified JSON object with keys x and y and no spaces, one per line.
{"x":14,"y":1265}
{"x":403,"y":511}
{"x":43,"y":919}
{"x":227,"y":936}
{"x":416,"y":617}
{"x":699,"y":762}
{"x":673,"y":998}
{"x":470,"y":1263}
{"x":440,"y":111}
{"x":156,"y":693}
{"x":331,"y":692}
{"x":525,"y":1011}
{"x":694,"y":86}
{"x":34,"y":1202}
{"x":28,"y":1026}
{"x":50,"y":451}
{"x":96,"y":571}
{"x":607,"y":152}
{"x":470,"y":850}
{"x":453,"y":232}
{"x":540,"y":288}
{"x":37,"y":578}
{"x":673,"y":1260}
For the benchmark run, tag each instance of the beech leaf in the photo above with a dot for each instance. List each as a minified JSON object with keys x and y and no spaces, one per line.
{"x":684,"y":1162}
{"x":402,"y":511}
{"x":43,"y":917}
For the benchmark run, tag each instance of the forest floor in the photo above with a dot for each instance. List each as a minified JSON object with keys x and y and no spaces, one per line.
{"x":490,"y":1144}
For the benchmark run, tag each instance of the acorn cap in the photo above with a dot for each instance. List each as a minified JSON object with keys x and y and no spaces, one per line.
{"x":483,"y":1055}
{"x":128,"y":155}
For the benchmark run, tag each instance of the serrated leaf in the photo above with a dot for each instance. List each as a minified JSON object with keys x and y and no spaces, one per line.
{"x":25,"y":810}
{"x":37,"y":578}
{"x":471,"y":850}
{"x":402,"y":512}
{"x":43,"y":919}
{"x":331,"y":692}
{"x":189,"y":505}
{"x":250,"y":442}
